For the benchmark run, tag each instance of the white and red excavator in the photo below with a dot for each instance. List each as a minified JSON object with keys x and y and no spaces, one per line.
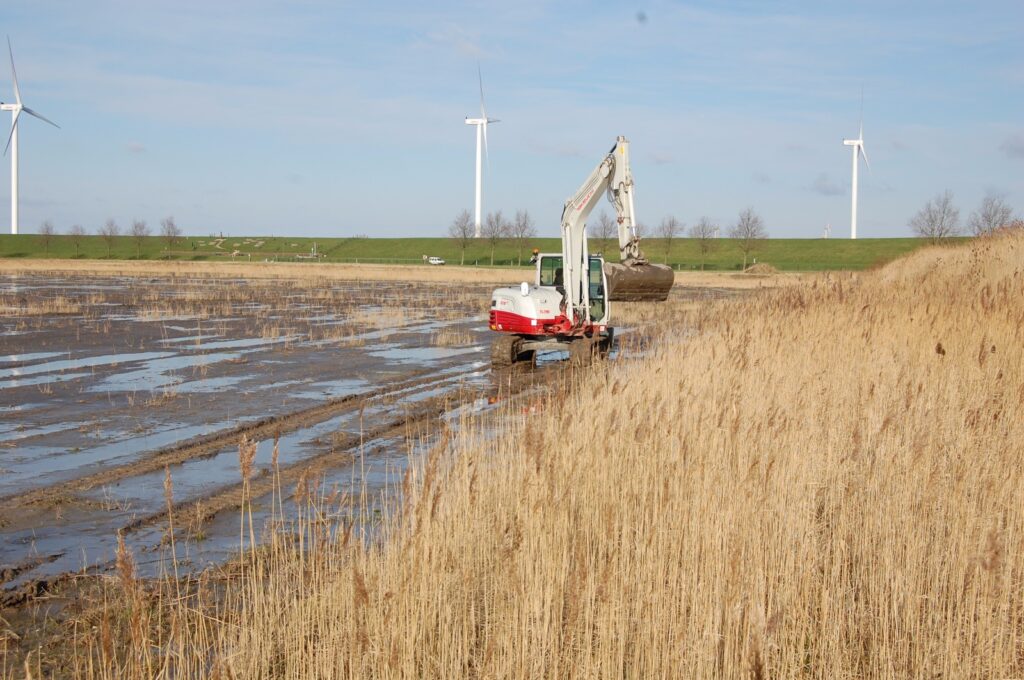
{"x":567,"y":307}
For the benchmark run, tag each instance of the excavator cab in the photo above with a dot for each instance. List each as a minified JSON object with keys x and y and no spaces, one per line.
{"x":550,"y":274}
{"x":549,"y":271}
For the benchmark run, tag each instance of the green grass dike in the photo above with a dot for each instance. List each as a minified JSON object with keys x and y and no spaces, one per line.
{"x":684,"y":254}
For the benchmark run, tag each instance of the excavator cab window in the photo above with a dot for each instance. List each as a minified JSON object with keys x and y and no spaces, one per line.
{"x":597,"y":299}
{"x":551,"y":270}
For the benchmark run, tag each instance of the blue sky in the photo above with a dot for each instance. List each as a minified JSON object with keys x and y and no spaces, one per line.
{"x":334,"y":118}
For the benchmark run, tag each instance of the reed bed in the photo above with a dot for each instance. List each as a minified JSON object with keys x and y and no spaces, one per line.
{"x":820,"y":481}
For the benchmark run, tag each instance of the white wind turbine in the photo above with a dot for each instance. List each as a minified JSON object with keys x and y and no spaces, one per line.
{"x":858,"y":148}
{"x":481,"y":132}
{"x":16,"y":110}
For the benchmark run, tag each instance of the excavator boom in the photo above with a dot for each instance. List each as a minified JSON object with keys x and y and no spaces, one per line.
{"x":633,"y":278}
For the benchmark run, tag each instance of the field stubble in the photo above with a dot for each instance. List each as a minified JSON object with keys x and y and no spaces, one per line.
{"x":818,"y":481}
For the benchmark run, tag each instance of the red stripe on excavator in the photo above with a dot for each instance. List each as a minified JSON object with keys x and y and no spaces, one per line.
{"x":507,"y":322}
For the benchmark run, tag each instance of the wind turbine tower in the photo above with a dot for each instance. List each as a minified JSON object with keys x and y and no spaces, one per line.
{"x":16,"y":110}
{"x":481,"y":124}
{"x":858,"y":148}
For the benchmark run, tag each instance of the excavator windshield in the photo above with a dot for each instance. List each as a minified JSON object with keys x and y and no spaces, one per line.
{"x":550,"y":270}
{"x":596,"y":277}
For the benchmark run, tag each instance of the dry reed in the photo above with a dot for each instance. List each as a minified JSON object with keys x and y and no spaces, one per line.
{"x":820,"y":481}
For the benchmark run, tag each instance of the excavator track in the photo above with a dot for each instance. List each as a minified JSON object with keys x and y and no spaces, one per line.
{"x":504,"y":351}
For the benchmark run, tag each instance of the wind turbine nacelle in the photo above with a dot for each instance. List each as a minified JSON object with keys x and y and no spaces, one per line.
{"x":853,"y":142}
{"x":475,"y":121}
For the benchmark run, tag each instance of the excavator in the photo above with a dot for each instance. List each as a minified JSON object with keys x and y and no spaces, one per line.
{"x":567,"y":307}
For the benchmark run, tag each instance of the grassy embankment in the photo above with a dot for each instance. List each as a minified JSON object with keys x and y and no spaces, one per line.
{"x":785,"y":254}
{"x":820,"y":481}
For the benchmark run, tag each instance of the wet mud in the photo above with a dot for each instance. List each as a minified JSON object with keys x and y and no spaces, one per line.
{"x":110,"y":387}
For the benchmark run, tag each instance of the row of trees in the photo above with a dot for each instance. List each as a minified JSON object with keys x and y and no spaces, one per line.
{"x":748,"y":231}
{"x":494,"y":228}
{"x":940,"y":218}
{"x":139,"y":230}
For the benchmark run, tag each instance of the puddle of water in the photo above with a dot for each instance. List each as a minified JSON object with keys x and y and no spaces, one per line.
{"x":330,"y":388}
{"x":41,"y":380}
{"x":31,"y":356}
{"x":13,"y":408}
{"x":16,"y":432}
{"x":154,"y":375}
{"x":422,"y":354}
{"x":84,"y":362}
{"x":210,"y":384}
{"x":40,"y":465}
{"x":191,"y":338}
{"x":247,"y":342}
{"x":198,"y":477}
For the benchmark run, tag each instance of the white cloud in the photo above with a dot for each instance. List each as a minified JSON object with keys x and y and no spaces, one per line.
{"x":826,"y":187}
{"x":1013,"y":146}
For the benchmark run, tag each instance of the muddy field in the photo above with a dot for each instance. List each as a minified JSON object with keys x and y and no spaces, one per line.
{"x":110,"y":384}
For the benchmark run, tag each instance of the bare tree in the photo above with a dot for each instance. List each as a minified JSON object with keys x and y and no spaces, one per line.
{"x":139,"y":232}
{"x":46,"y":232}
{"x":938,"y":219}
{"x":109,"y":232}
{"x":993,"y":214}
{"x":77,"y":234}
{"x":704,"y":233}
{"x":170,"y":232}
{"x":522,"y":229}
{"x":605,"y":229}
{"x":641,"y":229}
{"x":462,"y":231}
{"x":669,"y":228}
{"x":748,"y":232}
{"x":494,"y":229}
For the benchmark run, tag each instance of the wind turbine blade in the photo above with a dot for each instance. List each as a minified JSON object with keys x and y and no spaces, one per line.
{"x":14,"y":74}
{"x":865,"y":155}
{"x":487,"y":153}
{"x":39,"y":116}
{"x":480,"y":77}
{"x":14,"y":125}
{"x":861,"y":135}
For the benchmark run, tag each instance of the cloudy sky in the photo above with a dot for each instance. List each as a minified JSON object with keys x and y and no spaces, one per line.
{"x":334,"y":118}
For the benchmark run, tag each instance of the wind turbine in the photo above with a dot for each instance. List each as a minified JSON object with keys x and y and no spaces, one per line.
{"x":481,"y":132}
{"x":16,"y":110}
{"x":858,"y":148}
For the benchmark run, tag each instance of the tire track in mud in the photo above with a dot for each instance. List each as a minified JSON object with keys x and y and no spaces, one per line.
{"x":343,"y":450}
{"x":229,"y":496}
{"x":211,"y":444}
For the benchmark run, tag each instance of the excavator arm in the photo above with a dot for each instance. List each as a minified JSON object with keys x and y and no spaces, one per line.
{"x":634,"y":278}
{"x":610,"y":175}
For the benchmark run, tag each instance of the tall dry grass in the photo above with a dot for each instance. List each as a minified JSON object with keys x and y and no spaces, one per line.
{"x":820,"y":481}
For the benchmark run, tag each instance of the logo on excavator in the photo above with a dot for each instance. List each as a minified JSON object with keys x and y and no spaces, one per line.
{"x":584,"y":201}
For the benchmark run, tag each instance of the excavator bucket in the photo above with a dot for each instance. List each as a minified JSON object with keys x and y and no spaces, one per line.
{"x":638,"y":282}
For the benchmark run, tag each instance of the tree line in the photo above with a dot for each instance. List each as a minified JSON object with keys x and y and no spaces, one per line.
{"x":110,"y":230}
{"x":940,"y":218}
{"x":494,"y":228}
{"x":748,"y":232}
